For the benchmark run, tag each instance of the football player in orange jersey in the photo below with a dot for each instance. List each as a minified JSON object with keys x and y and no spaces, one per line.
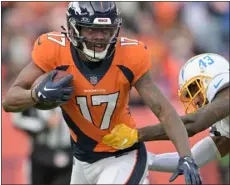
{"x":102,"y":68}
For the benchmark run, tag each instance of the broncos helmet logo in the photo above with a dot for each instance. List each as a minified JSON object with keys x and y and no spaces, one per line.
{"x":75,"y":6}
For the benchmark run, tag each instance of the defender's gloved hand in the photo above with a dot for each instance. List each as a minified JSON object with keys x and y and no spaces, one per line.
{"x":121,"y":137}
{"x":188,"y":168}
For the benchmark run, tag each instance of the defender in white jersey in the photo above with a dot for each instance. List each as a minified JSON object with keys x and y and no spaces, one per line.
{"x":203,"y":85}
{"x":204,"y":91}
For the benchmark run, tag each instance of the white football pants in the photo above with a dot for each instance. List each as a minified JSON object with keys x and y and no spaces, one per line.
{"x":129,"y":168}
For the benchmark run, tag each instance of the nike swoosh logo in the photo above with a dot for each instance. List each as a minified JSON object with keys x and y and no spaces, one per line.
{"x":217,"y":85}
{"x":39,"y":42}
{"x":47,"y":89}
{"x":41,"y":95}
{"x":125,"y":141}
{"x":187,"y":164}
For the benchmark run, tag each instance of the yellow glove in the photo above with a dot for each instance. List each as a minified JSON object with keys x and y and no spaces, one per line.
{"x":121,"y":137}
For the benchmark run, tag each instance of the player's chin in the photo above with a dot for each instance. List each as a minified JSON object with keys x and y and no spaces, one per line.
{"x":97,"y":47}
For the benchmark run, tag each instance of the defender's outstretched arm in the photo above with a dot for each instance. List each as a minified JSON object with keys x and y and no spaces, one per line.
{"x":205,"y":117}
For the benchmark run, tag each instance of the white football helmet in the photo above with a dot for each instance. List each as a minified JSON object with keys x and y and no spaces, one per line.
{"x":199,"y":71}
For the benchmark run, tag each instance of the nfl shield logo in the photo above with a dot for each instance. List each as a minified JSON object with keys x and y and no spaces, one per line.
{"x":93,"y":80}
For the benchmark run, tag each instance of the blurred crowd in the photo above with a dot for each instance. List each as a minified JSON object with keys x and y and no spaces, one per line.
{"x":173,"y":32}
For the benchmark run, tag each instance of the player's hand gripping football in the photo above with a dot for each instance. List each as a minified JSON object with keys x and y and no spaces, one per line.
{"x":188,"y":168}
{"x":121,"y":137}
{"x":54,"y":92}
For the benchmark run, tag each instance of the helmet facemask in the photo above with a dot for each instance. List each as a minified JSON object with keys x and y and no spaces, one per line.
{"x":86,"y":46}
{"x":193,"y":93}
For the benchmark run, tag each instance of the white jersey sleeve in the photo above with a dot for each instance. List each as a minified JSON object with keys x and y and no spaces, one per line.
{"x":218,"y":83}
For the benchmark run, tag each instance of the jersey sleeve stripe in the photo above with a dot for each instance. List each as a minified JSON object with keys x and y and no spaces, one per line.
{"x":127,"y":73}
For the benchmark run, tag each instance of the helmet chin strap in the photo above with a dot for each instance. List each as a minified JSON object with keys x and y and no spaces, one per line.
{"x":94,"y":56}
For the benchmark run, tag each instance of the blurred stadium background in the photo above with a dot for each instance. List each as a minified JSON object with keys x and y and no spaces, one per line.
{"x":173,"y":31}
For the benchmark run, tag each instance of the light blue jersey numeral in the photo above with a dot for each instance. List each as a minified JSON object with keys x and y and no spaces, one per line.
{"x":207,"y":60}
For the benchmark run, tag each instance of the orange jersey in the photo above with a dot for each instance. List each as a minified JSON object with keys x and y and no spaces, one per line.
{"x":101,"y":95}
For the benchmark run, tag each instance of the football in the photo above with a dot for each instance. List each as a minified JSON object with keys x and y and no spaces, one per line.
{"x":46,"y":106}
